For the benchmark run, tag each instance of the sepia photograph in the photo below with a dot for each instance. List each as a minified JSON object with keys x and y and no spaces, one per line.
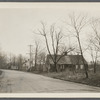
{"x":50,"y":48}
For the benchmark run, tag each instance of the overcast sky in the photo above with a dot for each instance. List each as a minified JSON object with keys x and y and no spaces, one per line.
{"x":17,"y":21}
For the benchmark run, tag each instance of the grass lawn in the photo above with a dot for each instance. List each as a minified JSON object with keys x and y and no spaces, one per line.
{"x":93,"y":80}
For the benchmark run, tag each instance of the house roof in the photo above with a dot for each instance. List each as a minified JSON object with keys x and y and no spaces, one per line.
{"x":67,"y":59}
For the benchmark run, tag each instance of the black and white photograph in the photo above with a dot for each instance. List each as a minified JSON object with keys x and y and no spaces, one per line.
{"x":50,"y":48}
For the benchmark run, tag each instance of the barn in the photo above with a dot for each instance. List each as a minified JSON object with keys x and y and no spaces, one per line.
{"x":71,"y":62}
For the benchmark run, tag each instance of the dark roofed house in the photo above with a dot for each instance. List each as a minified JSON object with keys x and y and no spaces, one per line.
{"x":66,"y":62}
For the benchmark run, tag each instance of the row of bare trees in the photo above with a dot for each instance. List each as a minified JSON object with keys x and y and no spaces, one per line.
{"x":56,"y":37}
{"x":94,"y":40}
{"x":56,"y":41}
{"x":16,"y":61}
{"x":7,"y":61}
{"x":3,"y":60}
{"x":75,"y":27}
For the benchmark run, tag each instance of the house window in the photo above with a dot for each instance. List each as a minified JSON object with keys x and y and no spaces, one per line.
{"x":81,"y":66}
{"x":63,"y":66}
{"x":76,"y":66}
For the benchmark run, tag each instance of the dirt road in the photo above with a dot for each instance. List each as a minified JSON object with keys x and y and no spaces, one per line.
{"x":23,"y":82}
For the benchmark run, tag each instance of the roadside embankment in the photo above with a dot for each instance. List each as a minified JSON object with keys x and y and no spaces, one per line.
{"x":93,"y":80}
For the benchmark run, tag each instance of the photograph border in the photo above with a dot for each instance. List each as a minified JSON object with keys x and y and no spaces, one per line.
{"x":36,"y":96}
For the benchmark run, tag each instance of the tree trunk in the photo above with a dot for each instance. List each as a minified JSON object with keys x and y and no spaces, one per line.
{"x":86,"y":73}
{"x":55,"y":66}
{"x":35,"y":67}
{"x":94,"y":67}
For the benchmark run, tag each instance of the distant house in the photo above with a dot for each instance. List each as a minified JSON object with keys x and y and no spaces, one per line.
{"x":72,"y":62}
{"x":26,"y":65}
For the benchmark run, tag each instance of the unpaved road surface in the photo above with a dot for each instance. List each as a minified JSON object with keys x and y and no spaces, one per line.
{"x":23,"y":82}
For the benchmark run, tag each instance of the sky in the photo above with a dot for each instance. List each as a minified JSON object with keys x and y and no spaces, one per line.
{"x":19,"y":20}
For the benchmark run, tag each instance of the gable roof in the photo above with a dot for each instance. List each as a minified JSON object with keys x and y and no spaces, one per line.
{"x":67,"y":59}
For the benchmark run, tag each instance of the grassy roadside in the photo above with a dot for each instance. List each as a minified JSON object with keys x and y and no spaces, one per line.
{"x":93,"y":80}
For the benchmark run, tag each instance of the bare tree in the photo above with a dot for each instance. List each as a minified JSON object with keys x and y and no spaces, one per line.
{"x":56,"y":36}
{"x":75,"y":27}
{"x":36,"y":53}
{"x":95,"y":25}
{"x":41,"y":59}
{"x":14,"y":59}
{"x":94,"y":55}
{"x":3,"y":60}
{"x":94,"y":41}
{"x":20,"y":60}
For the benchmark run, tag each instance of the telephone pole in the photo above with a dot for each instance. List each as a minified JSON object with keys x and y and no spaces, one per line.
{"x":30,"y":54}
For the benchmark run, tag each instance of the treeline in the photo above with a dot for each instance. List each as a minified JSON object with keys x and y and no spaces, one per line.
{"x":3,"y":60}
{"x":7,"y":61}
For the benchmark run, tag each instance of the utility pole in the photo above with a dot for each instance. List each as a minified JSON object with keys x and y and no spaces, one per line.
{"x":30,"y":54}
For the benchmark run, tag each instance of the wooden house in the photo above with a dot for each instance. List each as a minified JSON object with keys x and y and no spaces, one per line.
{"x":71,"y":62}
